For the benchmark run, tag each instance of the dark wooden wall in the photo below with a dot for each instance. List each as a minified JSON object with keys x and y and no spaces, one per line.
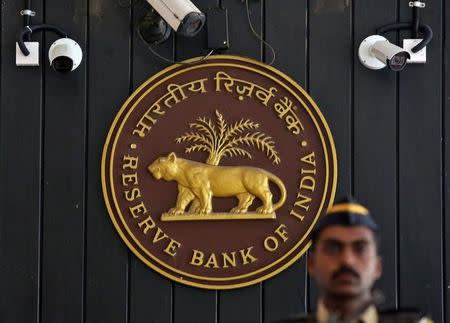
{"x":61,"y":260}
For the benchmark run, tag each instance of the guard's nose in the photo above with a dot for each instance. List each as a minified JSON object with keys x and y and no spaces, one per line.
{"x":347,"y":256}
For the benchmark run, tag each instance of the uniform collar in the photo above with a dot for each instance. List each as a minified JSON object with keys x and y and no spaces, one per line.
{"x":370,"y":315}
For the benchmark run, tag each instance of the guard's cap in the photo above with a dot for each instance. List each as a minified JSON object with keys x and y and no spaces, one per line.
{"x":346,"y":212}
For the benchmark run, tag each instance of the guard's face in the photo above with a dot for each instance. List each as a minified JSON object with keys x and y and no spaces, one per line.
{"x":345,"y":262}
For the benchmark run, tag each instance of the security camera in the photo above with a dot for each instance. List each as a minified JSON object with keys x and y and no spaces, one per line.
{"x":153,"y":29}
{"x":375,"y":52}
{"x":65,"y":55}
{"x":182,"y":15}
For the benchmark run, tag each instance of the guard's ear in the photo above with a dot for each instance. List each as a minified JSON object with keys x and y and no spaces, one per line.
{"x":172,"y":157}
{"x":379,"y":268}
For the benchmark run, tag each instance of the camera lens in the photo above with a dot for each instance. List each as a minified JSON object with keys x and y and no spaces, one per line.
{"x":62,"y":64}
{"x":191,"y":24}
{"x":398,"y":61}
{"x":153,"y":29}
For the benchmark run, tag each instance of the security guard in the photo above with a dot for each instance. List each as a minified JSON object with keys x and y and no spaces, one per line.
{"x":345,"y":263}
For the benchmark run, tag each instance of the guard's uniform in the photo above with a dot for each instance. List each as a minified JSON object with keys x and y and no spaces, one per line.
{"x":371,"y":315}
{"x":388,"y":317}
{"x":349,"y":213}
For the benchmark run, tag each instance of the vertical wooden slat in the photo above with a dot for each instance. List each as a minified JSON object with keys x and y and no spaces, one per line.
{"x":375,"y":150}
{"x":286,"y":31}
{"x":330,"y":71}
{"x":63,"y":175}
{"x":150,"y":292}
{"x":108,"y":64}
{"x":420,"y":173}
{"x":330,"y":81}
{"x":446,"y":157}
{"x":241,"y":305}
{"x":20,"y":170}
{"x":242,"y":40}
{"x":245,"y":304}
{"x":193,"y":304}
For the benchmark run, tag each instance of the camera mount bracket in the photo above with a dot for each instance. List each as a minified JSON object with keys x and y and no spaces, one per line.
{"x":417,"y":4}
{"x":27,"y":12}
{"x":365,"y":55}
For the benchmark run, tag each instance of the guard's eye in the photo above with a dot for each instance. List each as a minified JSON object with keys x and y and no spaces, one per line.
{"x":360,"y":247}
{"x":332,"y":247}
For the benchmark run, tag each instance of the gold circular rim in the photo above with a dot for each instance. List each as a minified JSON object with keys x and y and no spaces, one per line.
{"x":116,"y":204}
{"x":324,"y":147}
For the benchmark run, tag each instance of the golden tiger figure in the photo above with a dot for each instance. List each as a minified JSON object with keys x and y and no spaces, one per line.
{"x":199,"y":182}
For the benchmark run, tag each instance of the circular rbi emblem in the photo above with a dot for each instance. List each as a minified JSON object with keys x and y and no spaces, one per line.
{"x":214,"y":174}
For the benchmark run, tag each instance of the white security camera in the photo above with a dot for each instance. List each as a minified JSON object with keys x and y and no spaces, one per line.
{"x":182,"y":15}
{"x":65,"y":55}
{"x":376,"y":52}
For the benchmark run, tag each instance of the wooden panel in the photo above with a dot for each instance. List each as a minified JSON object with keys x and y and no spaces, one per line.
{"x":330,"y":82}
{"x":242,"y":40}
{"x":151,"y":295}
{"x":446,"y":161}
{"x":193,"y":304}
{"x":286,"y":30}
{"x":375,"y":141}
{"x":330,"y":76}
{"x":285,"y":295}
{"x":420,"y":174}
{"x":245,"y":304}
{"x":150,"y":292}
{"x":241,"y":305}
{"x":108,"y":65}
{"x":330,"y":72}
{"x":20,"y":171}
{"x":64,"y":175}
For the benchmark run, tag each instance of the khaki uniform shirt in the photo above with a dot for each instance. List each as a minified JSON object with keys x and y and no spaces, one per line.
{"x":370,"y":315}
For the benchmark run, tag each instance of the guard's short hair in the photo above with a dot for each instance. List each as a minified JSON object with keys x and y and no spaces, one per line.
{"x":346,"y":212}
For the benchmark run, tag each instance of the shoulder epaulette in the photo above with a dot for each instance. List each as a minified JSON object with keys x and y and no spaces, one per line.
{"x":404,"y":316}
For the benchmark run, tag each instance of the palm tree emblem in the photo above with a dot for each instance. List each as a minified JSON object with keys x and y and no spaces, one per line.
{"x":223,"y":140}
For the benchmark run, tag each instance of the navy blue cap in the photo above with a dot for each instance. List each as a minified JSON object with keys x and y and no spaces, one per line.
{"x":346,"y":212}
